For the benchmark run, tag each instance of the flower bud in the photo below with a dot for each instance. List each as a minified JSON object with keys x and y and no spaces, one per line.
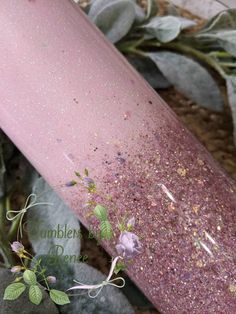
{"x":51,"y":279}
{"x":16,"y":269}
{"x":131,"y":223}
{"x":17,"y":247}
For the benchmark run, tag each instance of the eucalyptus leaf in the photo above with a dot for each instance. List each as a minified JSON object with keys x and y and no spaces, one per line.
{"x":190,"y":78}
{"x":231,"y":91}
{"x":146,"y":67}
{"x":139,"y":14}
{"x":52,"y":227}
{"x":113,"y":17}
{"x":225,"y":39}
{"x":186,"y":23}
{"x":225,"y":20}
{"x":220,"y":31}
{"x":167,"y":28}
{"x":152,"y":8}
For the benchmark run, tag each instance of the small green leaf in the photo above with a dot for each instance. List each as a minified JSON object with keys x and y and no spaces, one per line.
{"x":120,"y":266}
{"x":106,"y":230}
{"x":100,"y":212}
{"x":59,"y":297}
{"x":77,"y":174}
{"x":35,"y":294}
{"x":18,"y":279}
{"x":13,"y":291}
{"x":86,"y":172}
{"x":30,"y":277}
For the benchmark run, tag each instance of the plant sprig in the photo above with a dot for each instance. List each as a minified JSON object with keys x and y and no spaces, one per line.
{"x":28,"y":279}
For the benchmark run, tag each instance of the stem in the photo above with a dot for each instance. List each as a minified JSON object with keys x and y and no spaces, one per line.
{"x":134,"y":51}
{"x":3,"y":265}
{"x":7,"y":257}
{"x":219,"y":54}
{"x":12,"y":234}
{"x":2,"y":218}
{"x":130,"y":44}
{"x":228,"y":64}
{"x":41,"y":270}
{"x":4,"y":244}
{"x":193,"y":52}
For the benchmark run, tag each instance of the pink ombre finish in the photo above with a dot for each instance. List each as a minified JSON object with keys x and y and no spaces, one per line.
{"x":69,"y":100}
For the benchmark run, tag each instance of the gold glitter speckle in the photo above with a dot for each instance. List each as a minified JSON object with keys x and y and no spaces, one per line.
{"x":171,"y":207}
{"x":232,"y":288}
{"x":196,"y":208}
{"x":199,"y":263}
{"x":200,"y":162}
{"x":182,"y":172}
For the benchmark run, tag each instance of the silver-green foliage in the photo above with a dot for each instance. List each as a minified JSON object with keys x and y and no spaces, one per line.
{"x":184,"y":58}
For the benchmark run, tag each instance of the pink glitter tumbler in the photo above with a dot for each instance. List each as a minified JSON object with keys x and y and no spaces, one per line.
{"x":70,"y":101}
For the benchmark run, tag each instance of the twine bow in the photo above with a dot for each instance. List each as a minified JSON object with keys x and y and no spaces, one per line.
{"x":104,"y":283}
{"x":14,"y":214}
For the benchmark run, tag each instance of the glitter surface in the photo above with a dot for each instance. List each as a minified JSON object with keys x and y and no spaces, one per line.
{"x":69,"y":101}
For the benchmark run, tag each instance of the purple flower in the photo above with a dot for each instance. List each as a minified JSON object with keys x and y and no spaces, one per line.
{"x":51,"y":279}
{"x":88,"y":182}
{"x":71,"y":183}
{"x":17,"y":247}
{"x":129,"y":245}
{"x":16,"y":269}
